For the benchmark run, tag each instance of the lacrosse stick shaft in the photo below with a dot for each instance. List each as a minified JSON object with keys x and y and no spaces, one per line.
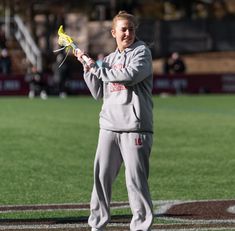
{"x":84,"y":57}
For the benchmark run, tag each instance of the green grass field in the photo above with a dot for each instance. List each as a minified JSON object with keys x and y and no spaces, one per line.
{"x":47,"y":149}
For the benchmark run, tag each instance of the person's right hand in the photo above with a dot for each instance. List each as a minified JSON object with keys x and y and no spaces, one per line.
{"x":80,"y":56}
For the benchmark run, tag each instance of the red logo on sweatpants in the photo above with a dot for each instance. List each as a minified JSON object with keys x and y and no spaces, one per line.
{"x":138,"y":141}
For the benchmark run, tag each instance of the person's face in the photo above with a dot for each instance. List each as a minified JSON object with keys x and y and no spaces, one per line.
{"x":124,"y":33}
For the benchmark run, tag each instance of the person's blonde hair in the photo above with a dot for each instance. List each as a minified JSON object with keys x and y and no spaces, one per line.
{"x":123,"y":15}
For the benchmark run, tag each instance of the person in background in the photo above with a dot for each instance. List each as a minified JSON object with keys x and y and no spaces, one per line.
{"x":174,"y":64}
{"x":61,"y":74}
{"x":36,"y":84}
{"x":5,"y":62}
{"x":124,"y":82}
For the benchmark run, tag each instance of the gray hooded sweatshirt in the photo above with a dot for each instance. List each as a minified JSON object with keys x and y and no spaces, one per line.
{"x":125,"y":84}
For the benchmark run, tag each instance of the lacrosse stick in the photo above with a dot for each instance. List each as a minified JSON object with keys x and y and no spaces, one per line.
{"x":67,"y":43}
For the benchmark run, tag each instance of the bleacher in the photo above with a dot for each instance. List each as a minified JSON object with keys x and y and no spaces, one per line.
{"x":204,"y":63}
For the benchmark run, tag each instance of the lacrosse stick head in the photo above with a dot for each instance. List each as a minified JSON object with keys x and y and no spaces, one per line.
{"x":64,"y":40}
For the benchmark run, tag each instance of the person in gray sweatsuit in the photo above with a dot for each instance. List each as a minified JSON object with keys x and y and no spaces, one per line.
{"x":124,"y":81}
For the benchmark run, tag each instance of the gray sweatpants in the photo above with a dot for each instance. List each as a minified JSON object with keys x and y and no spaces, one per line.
{"x":134,"y":150}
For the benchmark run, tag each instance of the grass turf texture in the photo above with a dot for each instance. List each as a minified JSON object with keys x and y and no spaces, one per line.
{"x":47,"y":149}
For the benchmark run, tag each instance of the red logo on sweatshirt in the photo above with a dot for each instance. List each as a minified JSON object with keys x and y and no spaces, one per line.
{"x":117,"y":66}
{"x":116,"y":87}
{"x":138,"y":141}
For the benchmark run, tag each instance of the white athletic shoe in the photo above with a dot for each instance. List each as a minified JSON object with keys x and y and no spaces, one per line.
{"x":94,"y":229}
{"x":63,"y":95}
{"x":31,"y":94}
{"x":43,"y":95}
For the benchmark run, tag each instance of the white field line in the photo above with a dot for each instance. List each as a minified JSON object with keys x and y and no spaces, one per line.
{"x":231,"y":209}
{"x":194,"y":229}
{"x":57,"y":207}
{"x":162,"y":206}
{"x":43,"y":227}
{"x":123,"y":227}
